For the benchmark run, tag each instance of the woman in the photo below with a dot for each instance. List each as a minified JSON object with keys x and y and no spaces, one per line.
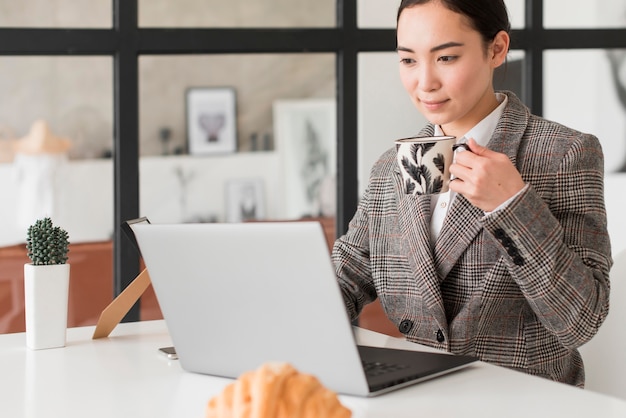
{"x":512,"y":265}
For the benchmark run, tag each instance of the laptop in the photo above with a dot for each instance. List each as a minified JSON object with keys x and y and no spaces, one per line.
{"x":236,"y":295}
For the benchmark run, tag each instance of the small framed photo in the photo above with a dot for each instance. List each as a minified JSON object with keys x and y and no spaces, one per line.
{"x":244,"y":200}
{"x":211,"y":120}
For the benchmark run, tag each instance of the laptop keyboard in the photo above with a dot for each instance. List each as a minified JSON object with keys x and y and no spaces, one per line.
{"x":376,"y":368}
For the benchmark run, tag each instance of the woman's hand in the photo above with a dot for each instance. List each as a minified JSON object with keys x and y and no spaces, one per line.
{"x":486,"y":178}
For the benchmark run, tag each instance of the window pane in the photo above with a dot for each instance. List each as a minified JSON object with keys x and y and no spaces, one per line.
{"x":219,"y":13}
{"x":50,"y":102}
{"x":382,"y":13}
{"x":56,"y":14}
{"x":597,"y":105}
{"x":285,"y":132}
{"x":509,"y":76}
{"x":516,"y":13}
{"x":584,"y":14}
{"x":385,"y":111}
{"x":376,"y":14}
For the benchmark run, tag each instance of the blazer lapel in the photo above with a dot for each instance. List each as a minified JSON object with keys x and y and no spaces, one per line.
{"x":414,"y":217}
{"x":508,"y":134}
{"x":414,"y":220}
{"x":460,"y":226}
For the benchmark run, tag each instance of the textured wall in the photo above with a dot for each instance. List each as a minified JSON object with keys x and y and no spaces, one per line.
{"x":258,"y":80}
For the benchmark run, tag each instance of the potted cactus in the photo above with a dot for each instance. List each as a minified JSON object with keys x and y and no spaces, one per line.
{"x":46,"y":285}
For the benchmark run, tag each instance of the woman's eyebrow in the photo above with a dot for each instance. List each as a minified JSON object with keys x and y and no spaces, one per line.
{"x":433,"y":49}
{"x":445,"y":46}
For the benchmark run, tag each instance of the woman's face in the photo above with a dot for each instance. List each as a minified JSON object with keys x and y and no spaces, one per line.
{"x":445,"y":68}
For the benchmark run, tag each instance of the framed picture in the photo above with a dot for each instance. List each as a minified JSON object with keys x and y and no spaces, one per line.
{"x":306,"y":139}
{"x":211,"y":120}
{"x":244,"y":200}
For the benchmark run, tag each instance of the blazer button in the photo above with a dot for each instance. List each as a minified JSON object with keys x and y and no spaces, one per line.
{"x":507,"y":242}
{"x":513,"y":252}
{"x":440,"y":337}
{"x":518,"y":260}
{"x":499,"y":233}
{"x":405,"y":326}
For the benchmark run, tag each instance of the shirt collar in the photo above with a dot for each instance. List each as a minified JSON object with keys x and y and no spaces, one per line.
{"x":483,"y":130}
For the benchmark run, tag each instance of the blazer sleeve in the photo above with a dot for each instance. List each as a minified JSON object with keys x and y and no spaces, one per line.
{"x":350,"y":256}
{"x":555,"y":240}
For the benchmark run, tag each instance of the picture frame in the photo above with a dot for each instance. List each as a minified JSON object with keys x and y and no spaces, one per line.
{"x":245,"y":199}
{"x":305,"y":133}
{"x":211,"y":120}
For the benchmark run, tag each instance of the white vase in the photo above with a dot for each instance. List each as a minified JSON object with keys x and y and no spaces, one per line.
{"x":46,"y":290}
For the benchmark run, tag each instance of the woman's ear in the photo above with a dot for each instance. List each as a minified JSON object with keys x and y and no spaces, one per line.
{"x":500,"y":48}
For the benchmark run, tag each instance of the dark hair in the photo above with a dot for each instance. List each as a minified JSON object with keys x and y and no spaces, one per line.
{"x":488,"y":17}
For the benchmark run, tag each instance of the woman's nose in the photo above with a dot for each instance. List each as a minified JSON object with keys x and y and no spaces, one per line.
{"x":427,"y":79}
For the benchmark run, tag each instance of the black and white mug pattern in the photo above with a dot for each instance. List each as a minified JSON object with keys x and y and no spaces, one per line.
{"x":424,"y":163}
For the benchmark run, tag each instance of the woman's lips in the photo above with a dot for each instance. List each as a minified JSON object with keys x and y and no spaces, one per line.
{"x":433,"y":104}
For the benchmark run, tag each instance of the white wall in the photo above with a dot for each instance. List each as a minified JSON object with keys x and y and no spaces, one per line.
{"x":86,"y":212}
{"x":163,"y":200}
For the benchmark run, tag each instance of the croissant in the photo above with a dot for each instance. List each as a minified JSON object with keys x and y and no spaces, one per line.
{"x":276,"y":390}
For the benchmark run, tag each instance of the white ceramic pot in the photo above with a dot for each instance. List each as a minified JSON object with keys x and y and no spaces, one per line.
{"x":46,"y":290}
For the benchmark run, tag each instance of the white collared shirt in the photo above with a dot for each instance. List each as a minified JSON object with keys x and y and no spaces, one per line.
{"x":481,"y":132}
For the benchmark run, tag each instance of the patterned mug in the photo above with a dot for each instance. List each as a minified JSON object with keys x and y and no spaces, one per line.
{"x":425,"y":163}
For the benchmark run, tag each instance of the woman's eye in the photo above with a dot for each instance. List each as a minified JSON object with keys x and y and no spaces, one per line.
{"x":407,"y":61}
{"x":447,"y":58}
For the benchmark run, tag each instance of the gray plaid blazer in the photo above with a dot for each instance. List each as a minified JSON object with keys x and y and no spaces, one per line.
{"x":522,"y":287}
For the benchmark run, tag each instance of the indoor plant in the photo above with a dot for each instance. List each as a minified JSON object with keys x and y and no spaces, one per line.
{"x":46,"y":285}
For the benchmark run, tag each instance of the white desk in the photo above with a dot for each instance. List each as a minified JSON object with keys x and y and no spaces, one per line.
{"x":125,"y":376}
